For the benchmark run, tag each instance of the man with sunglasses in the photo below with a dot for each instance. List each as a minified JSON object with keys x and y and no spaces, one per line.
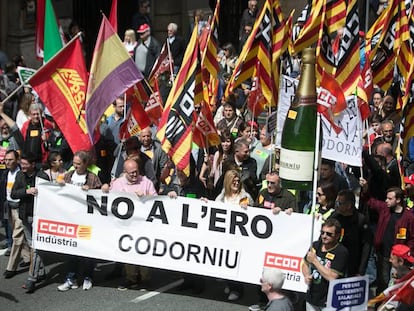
{"x":276,"y":198}
{"x":325,"y":261}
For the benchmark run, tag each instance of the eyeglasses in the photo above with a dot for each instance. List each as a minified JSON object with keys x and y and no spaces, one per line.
{"x":329,"y":234}
{"x":134,"y":173}
{"x":320,"y":194}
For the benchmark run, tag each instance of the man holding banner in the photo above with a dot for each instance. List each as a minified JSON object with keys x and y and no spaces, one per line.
{"x":325,"y":261}
{"x":133,"y":181}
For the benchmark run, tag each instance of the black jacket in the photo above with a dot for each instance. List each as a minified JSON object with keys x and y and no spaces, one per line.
{"x":21,"y":184}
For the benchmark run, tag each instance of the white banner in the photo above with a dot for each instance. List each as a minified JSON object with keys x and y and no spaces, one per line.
{"x":182,"y":234}
{"x":345,"y":147}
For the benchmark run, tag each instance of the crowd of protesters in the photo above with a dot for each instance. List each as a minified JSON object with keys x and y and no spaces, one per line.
{"x":367,"y":213}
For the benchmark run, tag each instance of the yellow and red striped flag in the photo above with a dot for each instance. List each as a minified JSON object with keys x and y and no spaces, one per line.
{"x":348,"y":59}
{"x":309,"y":33}
{"x":175,"y":127}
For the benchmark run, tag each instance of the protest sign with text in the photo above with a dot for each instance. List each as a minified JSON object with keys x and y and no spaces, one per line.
{"x":348,"y":294}
{"x":182,"y":234}
{"x":346,"y":146}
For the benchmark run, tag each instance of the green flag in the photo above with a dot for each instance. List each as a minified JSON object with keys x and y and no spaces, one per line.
{"x":52,"y":39}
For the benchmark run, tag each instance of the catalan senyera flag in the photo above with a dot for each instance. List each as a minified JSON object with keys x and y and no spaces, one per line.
{"x":209,"y":53}
{"x":112,"y":72}
{"x":335,"y":14}
{"x":258,"y":47}
{"x":405,"y":29}
{"x":282,"y":32}
{"x":49,"y":38}
{"x":348,"y":59}
{"x":405,"y":54}
{"x":383,"y":53}
{"x":175,"y":127}
{"x":310,"y":31}
{"x":408,"y":115}
{"x":61,"y":85}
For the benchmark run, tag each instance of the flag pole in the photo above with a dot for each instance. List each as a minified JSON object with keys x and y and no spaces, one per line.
{"x":169,"y":62}
{"x":315,"y":171}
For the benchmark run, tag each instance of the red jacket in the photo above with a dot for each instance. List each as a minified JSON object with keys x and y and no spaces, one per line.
{"x":404,"y":227}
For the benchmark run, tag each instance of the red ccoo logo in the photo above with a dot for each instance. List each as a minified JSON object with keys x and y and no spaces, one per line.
{"x":64,"y":229}
{"x":282,"y":261}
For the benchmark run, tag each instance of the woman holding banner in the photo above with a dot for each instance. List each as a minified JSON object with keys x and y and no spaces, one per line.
{"x":80,"y":176}
{"x":234,"y":193}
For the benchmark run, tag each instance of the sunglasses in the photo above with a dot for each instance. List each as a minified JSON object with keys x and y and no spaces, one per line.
{"x":320,"y":194}
{"x":271,"y":182}
{"x":329,"y":234}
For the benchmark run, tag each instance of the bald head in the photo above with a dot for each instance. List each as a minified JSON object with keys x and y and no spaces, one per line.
{"x":131,"y":170}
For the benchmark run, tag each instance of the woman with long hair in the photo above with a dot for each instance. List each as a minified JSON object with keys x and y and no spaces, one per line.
{"x":326,"y":195}
{"x":225,"y":149}
{"x":234,"y":193}
{"x":24,"y":104}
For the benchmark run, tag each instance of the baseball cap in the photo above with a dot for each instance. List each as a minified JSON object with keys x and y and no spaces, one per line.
{"x":402,"y":251}
{"x":409,"y":179}
{"x":143,"y":28}
{"x":252,"y":124}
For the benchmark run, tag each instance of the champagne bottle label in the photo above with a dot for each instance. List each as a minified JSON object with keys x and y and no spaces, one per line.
{"x":294,"y":165}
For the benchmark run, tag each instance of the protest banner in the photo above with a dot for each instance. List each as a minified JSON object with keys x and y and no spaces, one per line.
{"x":349,"y":294}
{"x":183,"y":234}
{"x":345,"y":147}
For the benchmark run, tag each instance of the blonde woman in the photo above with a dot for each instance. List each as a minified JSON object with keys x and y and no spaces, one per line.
{"x":130,"y":42}
{"x":234,"y":193}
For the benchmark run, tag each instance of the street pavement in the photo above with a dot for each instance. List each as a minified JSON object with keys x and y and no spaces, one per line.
{"x":162,"y":294}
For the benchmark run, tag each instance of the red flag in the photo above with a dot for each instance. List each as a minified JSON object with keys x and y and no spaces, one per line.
{"x":402,"y":290}
{"x":136,"y":120}
{"x":61,"y":84}
{"x":163,"y":63}
{"x":139,"y":93}
{"x":406,"y":293}
{"x":364,"y":90}
{"x":40,"y":28}
{"x":113,"y":15}
{"x":154,"y":105}
{"x":331,"y":99}
{"x":205,"y":132}
{"x":256,"y":101}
